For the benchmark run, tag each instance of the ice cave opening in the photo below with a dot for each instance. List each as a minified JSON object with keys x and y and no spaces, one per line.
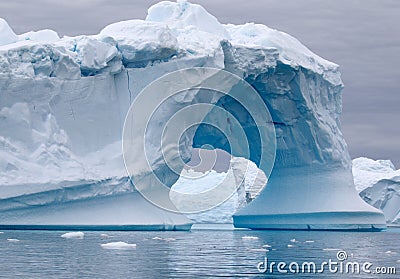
{"x":209,"y":168}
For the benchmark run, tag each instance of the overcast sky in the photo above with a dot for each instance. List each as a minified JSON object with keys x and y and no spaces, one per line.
{"x":362,"y":36}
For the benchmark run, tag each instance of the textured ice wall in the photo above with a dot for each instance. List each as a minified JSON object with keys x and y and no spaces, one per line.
{"x":63,"y":103}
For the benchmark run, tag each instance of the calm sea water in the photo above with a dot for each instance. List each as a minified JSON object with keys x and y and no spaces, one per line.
{"x":199,"y":253}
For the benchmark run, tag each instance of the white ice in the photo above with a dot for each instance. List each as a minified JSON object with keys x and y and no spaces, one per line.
{"x":118,"y":246}
{"x":74,"y":235}
{"x":368,"y":172}
{"x":7,"y":35}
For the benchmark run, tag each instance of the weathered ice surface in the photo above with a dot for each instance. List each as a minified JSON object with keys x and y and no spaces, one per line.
{"x":379,"y":185}
{"x":63,"y":103}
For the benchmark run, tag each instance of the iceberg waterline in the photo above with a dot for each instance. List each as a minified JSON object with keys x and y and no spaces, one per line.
{"x":63,"y":103}
{"x":377,"y":182}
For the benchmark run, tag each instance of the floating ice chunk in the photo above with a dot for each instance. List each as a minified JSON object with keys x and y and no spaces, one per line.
{"x":7,"y":35}
{"x":118,"y":246}
{"x":390,"y":252}
{"x":259,"y":250}
{"x":12,"y":240}
{"x":293,"y":240}
{"x":266,"y":246}
{"x":309,"y":241}
{"x":290,"y":246}
{"x":104,"y":235}
{"x":249,"y":237}
{"x":331,"y":249}
{"x":1,"y":232}
{"x":75,"y":235}
{"x":165,"y":239}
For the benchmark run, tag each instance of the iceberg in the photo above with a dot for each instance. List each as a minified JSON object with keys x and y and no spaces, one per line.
{"x":367,"y":172}
{"x":378,"y":183}
{"x":63,"y":104}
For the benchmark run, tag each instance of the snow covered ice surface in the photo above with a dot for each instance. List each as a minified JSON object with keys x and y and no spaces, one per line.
{"x":63,"y":103}
{"x":44,"y":36}
{"x":379,"y":184}
{"x":7,"y":36}
{"x":368,"y":172}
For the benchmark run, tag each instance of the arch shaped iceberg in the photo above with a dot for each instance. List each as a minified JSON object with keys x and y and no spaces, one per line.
{"x":63,"y":103}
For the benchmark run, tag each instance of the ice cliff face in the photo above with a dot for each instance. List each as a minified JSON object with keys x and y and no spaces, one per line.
{"x":63,"y":103}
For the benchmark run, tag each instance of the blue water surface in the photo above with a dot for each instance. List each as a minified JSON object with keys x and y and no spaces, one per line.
{"x":208,"y":253}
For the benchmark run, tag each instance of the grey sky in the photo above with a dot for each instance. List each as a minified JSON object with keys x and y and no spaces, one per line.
{"x":363,"y":37}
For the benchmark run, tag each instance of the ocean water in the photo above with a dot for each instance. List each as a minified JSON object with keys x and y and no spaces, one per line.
{"x":203,"y":252}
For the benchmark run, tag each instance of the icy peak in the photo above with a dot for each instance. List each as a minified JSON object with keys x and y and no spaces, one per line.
{"x":291,"y":50}
{"x":183,"y":14}
{"x":7,"y":35}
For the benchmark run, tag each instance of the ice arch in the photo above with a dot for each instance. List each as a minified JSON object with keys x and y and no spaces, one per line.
{"x":311,"y":185}
{"x":159,"y":128}
{"x":208,"y":169}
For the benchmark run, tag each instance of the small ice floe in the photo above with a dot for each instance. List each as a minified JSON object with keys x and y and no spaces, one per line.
{"x":104,"y":235}
{"x":293,"y":240}
{"x":331,"y":249}
{"x":157,"y":238}
{"x":390,"y":252}
{"x":1,"y":232}
{"x":169,"y":239}
{"x":266,"y":246}
{"x":75,"y":235}
{"x":309,"y":241}
{"x":12,"y":240}
{"x":118,"y":246}
{"x":247,"y":237}
{"x":398,"y":261}
{"x":290,"y":246}
{"x":259,"y":250}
